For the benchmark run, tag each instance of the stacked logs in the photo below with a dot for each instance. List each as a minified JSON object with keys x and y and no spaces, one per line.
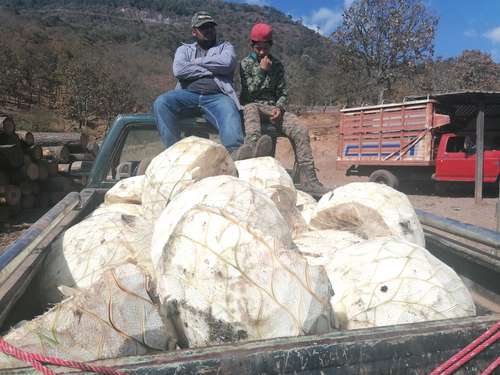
{"x":38,"y":169}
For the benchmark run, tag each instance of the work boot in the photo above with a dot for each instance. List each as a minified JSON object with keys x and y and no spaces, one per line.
{"x":241,"y":153}
{"x":263,"y":147}
{"x":308,"y":181}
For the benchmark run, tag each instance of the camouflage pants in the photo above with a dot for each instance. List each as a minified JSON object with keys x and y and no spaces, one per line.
{"x":256,"y":113}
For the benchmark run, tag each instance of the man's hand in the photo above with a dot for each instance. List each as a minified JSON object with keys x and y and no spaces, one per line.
{"x":266,"y":63}
{"x":275,"y":115}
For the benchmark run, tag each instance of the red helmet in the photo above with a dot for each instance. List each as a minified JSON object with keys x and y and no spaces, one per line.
{"x":261,"y":32}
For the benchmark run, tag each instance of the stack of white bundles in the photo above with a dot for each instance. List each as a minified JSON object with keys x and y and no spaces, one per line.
{"x":226,"y":271}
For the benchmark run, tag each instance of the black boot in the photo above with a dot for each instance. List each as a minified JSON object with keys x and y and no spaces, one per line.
{"x":309,"y":182}
{"x":263,"y":147}
{"x":241,"y":153}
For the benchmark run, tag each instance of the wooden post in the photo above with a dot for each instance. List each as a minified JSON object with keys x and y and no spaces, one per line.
{"x":478,"y":189}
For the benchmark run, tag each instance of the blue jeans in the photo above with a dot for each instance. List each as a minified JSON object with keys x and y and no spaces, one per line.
{"x":218,"y":109}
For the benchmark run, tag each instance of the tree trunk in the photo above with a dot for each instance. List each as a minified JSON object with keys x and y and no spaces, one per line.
{"x":58,"y":139}
{"x":7,"y":125}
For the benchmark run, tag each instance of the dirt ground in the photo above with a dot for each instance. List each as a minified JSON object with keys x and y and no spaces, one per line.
{"x":459,"y":205}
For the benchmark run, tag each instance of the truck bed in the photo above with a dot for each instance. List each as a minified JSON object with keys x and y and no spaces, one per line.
{"x":410,"y":349}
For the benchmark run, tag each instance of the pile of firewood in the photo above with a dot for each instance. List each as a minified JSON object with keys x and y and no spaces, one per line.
{"x":38,"y":169}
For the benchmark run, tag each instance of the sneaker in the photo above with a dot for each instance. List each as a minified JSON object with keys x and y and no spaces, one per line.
{"x":263,"y":147}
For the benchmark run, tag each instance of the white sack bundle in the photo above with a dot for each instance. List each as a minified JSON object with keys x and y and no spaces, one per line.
{"x":181,"y":165}
{"x":245,"y":203}
{"x":318,"y":247}
{"x":368,"y":210}
{"x":306,"y":205}
{"x":268,"y":175}
{"x":115,"y":317}
{"x":83,"y":252}
{"x":128,"y":190}
{"x":390,"y":281}
{"x":225,"y":280}
{"x":122,"y":208}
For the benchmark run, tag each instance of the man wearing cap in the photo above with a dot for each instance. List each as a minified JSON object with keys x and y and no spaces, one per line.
{"x":264,"y":96}
{"x":204,"y":70}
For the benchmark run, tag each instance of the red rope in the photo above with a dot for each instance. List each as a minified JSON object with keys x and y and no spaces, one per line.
{"x":35,"y":361}
{"x":470,"y":351}
{"x":489,"y":370}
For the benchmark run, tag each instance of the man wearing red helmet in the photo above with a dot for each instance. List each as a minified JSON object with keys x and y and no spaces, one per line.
{"x":264,"y":97}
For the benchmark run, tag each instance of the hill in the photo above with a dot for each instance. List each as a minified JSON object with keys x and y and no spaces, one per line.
{"x":92,"y":59}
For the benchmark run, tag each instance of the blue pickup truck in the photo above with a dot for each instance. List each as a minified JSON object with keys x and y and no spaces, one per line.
{"x":403,"y":349}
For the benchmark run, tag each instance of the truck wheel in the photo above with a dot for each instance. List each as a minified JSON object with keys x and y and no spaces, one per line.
{"x":385,"y":177}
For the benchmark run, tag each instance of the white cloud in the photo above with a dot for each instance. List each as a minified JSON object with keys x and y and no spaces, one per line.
{"x":324,"y":20}
{"x":260,"y":3}
{"x":348,"y":3}
{"x":493,"y":35}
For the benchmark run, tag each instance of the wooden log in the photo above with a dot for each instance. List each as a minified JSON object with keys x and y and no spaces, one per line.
{"x":44,"y":199}
{"x":51,"y":167}
{"x":4,"y":214}
{"x":59,"y":139}
{"x":56,"y":153}
{"x":35,"y":152}
{"x":26,"y":187}
{"x":63,"y":168}
{"x":43,"y":170}
{"x":28,"y":201}
{"x":7,"y":125}
{"x":10,"y":195}
{"x":9,"y":139}
{"x":75,"y":148}
{"x":26,"y":137}
{"x":58,"y":183}
{"x":30,"y":171}
{"x":4,"y":178}
{"x":56,"y":196}
{"x":81,"y":157}
{"x":11,"y":155}
{"x":15,"y":210}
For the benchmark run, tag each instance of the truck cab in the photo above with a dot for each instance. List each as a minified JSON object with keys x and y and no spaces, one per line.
{"x":456,"y":157}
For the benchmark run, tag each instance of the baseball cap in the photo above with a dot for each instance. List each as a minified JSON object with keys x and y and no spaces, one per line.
{"x":261,"y":32}
{"x":201,"y":18}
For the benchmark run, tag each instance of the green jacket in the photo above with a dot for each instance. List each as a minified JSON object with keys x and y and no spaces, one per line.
{"x":260,"y":86}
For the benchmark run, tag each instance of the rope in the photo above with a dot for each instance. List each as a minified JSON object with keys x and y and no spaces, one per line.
{"x":35,"y":361}
{"x":470,"y":351}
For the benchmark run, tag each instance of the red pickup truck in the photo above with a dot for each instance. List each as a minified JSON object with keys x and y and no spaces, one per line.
{"x":416,"y":140}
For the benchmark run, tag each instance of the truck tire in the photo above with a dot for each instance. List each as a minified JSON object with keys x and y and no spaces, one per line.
{"x":383,"y":176}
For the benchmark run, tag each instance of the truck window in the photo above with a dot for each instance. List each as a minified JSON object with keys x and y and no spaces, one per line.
{"x":456,"y":144}
{"x":139,"y":144}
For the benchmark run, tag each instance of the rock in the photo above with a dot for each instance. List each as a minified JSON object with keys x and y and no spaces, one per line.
{"x":368,"y":210}
{"x":181,"y":165}
{"x":306,"y":205}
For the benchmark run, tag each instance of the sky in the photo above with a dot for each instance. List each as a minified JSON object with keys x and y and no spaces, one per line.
{"x":463,"y":24}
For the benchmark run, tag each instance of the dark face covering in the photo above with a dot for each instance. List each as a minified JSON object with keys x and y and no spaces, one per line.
{"x":205,"y":35}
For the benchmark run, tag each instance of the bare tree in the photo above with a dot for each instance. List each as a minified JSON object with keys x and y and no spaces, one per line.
{"x":388,"y":39}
